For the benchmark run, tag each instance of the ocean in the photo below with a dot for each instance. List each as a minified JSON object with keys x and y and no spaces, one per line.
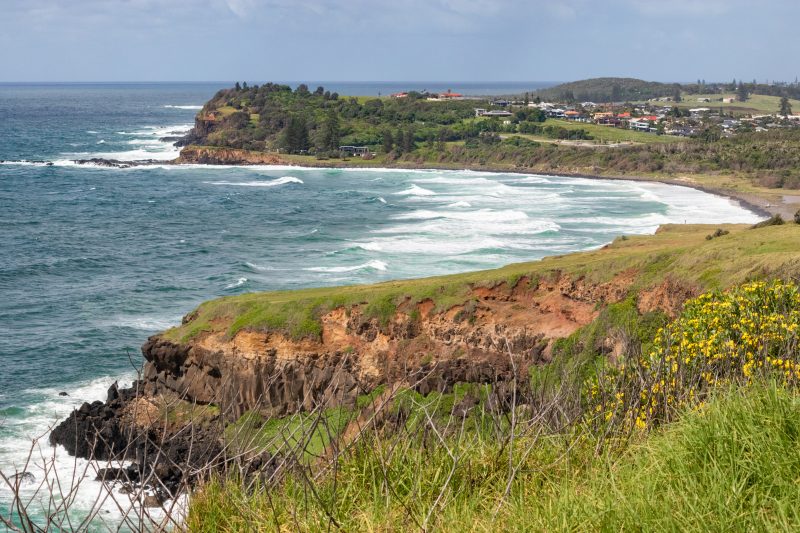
{"x":97,"y":259}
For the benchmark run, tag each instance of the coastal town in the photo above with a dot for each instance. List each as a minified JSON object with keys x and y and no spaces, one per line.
{"x":713,"y":116}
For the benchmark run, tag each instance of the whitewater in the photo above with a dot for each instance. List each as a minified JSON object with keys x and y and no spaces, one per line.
{"x":96,"y":259}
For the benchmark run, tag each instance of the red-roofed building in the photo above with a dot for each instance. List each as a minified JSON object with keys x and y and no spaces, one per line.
{"x":450,"y":95}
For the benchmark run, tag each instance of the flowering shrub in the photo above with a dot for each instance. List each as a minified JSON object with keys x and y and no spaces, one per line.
{"x":720,"y":338}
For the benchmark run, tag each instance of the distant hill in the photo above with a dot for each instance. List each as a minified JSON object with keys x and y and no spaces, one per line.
{"x":607,"y":90}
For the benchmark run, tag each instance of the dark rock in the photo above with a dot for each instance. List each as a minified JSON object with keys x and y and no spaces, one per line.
{"x":152,"y":500}
{"x":62,"y":393}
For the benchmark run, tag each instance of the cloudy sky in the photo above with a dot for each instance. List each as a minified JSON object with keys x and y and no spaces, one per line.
{"x":388,"y":40}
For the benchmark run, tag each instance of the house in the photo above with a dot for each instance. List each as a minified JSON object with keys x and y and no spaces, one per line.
{"x":704,"y":99}
{"x":400,"y":95}
{"x":572,"y":115}
{"x":728,"y":100}
{"x":493,"y":113}
{"x":697,"y":111}
{"x":605,"y":119}
{"x":450,"y":95}
{"x":354,"y":150}
{"x":640,"y":124}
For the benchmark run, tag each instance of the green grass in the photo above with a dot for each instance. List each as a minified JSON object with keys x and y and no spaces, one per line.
{"x":610,"y":134}
{"x":678,"y":251}
{"x":305,"y":434}
{"x":756,"y":103}
{"x":731,"y":466}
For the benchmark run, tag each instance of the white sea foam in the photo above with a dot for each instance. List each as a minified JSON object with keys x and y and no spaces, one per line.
{"x":238,"y":283}
{"x":144,"y":322}
{"x":272,"y":183}
{"x":381,"y":199}
{"x":374,"y":265}
{"x":183,"y":106}
{"x":416,"y":190}
{"x":480,"y":215}
{"x":459,"y":204}
{"x":15,"y":450}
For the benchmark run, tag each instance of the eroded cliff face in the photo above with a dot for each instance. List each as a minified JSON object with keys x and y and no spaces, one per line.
{"x":499,"y":329}
{"x":226,"y":156}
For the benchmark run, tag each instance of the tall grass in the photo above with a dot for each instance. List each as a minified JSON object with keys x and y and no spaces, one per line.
{"x":731,"y":466}
{"x":548,"y":454}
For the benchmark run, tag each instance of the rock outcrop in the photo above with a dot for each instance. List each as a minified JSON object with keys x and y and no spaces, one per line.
{"x":497,"y":330}
{"x":207,"y":155}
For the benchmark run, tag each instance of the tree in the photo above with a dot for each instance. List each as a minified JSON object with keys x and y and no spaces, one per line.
{"x":237,"y":87}
{"x":387,"y":141}
{"x":408,"y":141}
{"x":331,"y":131}
{"x":441,"y":139}
{"x":676,"y":93}
{"x":400,"y":141}
{"x":786,"y":107}
{"x":296,"y":135}
{"x":741,"y":92}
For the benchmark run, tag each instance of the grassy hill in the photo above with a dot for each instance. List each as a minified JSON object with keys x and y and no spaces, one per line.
{"x":607,"y":90}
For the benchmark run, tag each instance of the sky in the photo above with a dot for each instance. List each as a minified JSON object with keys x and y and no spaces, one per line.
{"x":397,"y":40}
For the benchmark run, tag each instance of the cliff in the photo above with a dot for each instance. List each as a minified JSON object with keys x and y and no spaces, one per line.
{"x":211,"y":155}
{"x":280,"y":353}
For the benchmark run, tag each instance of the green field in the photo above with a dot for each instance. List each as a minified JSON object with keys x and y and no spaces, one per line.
{"x":755,"y":104}
{"x":604,"y":134}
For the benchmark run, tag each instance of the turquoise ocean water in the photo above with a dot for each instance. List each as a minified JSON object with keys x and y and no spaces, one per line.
{"x":94,"y":260}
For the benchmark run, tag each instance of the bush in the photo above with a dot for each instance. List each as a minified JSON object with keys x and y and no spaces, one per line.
{"x":720,"y":338}
{"x":774,"y":220}
{"x":719,"y":233}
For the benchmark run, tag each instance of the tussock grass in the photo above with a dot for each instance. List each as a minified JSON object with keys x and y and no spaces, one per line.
{"x":731,"y":466}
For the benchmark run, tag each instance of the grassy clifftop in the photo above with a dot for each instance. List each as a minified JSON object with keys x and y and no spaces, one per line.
{"x":680,"y":252}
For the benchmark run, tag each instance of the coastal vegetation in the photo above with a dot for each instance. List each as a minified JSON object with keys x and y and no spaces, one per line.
{"x":321,"y":128}
{"x":692,"y":428}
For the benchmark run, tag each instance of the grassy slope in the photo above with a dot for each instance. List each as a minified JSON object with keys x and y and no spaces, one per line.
{"x":756,"y":103}
{"x":680,"y":251}
{"x":604,"y":133}
{"x":731,"y":466}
